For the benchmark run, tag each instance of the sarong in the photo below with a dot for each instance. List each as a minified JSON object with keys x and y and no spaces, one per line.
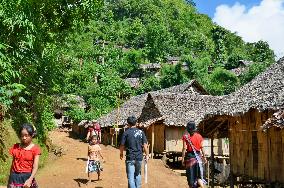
{"x":17,"y":180}
{"x":94,"y":166}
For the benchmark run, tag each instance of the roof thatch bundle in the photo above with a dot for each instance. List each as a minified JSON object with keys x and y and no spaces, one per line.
{"x":277,"y":120}
{"x":135,"y":104}
{"x":133,"y":82}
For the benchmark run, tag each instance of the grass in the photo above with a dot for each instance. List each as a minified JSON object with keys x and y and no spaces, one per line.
{"x":8,"y":138}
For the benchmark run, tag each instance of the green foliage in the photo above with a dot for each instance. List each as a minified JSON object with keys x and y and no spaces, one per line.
{"x":77,"y":114}
{"x":260,"y":52}
{"x":88,"y":48}
{"x":11,"y":93}
{"x":253,"y":71}
{"x":172,"y":75}
{"x":219,"y":35}
{"x":149,"y":84}
{"x":8,"y":137}
{"x":222,"y":82}
{"x":44,"y":116}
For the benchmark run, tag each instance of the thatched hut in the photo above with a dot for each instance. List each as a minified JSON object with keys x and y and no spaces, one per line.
{"x":135,"y":104}
{"x":134,"y":107}
{"x":165,"y":115}
{"x":243,"y":116}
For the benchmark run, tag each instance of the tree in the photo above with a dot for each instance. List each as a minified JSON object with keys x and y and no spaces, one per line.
{"x":219,"y":37}
{"x":172,"y":75}
{"x":222,"y":82}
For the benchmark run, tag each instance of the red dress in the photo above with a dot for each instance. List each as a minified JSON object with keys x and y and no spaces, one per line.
{"x":22,"y":165}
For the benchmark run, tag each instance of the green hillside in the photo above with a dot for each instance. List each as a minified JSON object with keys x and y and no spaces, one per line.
{"x":88,"y":48}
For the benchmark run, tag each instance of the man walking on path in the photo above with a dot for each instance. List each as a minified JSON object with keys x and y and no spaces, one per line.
{"x":133,"y":140}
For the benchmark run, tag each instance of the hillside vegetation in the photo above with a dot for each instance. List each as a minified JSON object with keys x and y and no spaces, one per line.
{"x":87,"y":48}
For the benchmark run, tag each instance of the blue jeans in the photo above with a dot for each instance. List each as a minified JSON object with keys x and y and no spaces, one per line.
{"x":133,"y":170}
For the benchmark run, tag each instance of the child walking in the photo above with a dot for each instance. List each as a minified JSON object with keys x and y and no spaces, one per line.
{"x":94,"y":152}
{"x":25,"y":160}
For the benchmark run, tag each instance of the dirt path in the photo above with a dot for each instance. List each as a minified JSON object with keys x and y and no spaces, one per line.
{"x":69,"y":170}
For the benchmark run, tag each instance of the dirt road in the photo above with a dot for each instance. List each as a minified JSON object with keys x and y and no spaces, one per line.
{"x":68,"y":171}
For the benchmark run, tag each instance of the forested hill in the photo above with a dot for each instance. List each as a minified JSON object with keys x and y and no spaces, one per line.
{"x":88,"y":48}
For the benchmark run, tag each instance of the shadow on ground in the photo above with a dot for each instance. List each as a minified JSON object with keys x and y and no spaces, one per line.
{"x":81,"y":181}
{"x":83,"y":159}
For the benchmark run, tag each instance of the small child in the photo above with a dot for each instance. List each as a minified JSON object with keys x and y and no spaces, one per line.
{"x":94,"y":152}
{"x":25,"y":160}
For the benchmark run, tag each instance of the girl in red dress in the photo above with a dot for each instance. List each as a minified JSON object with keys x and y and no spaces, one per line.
{"x":25,"y":160}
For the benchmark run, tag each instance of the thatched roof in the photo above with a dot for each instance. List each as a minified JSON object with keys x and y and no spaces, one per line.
{"x":265,"y":92}
{"x":135,"y":104}
{"x":133,"y":82}
{"x":277,"y":120}
{"x":150,"y":66}
{"x":177,"y":109}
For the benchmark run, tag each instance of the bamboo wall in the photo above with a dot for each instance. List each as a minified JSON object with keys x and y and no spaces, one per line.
{"x":173,"y":138}
{"x":159,"y":137}
{"x":253,"y":153}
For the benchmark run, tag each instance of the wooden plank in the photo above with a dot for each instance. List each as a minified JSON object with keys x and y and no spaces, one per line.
{"x":269,"y":155}
{"x":237,"y":133}
{"x":261,"y":153}
{"x":153,"y":141}
{"x":282,"y":144}
{"x":159,"y":144}
{"x":173,"y":137}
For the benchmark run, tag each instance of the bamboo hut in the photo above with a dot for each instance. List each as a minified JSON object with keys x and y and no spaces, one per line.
{"x":135,"y":104}
{"x":256,"y":137}
{"x":165,"y":115}
{"x":252,"y":119}
{"x":134,"y":107}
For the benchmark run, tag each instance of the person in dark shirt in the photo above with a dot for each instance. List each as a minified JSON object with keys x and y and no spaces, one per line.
{"x":134,"y":141}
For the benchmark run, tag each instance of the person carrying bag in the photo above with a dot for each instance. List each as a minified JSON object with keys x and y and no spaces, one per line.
{"x":191,"y":156}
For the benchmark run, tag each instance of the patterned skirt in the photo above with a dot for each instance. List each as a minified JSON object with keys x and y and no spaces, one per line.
{"x":192,"y":171}
{"x":94,"y":166}
{"x":17,"y":180}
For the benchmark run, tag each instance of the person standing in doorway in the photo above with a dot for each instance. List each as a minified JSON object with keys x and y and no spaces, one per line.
{"x":133,"y":141}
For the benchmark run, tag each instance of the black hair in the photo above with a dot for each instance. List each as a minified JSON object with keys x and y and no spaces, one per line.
{"x":191,"y":127}
{"x":132,"y":120}
{"x":94,"y":136}
{"x":30,"y":129}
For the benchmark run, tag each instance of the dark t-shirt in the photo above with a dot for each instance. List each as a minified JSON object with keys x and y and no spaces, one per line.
{"x":133,"y":139}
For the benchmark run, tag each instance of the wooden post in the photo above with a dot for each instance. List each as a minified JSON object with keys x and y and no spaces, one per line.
{"x":212,"y":162}
{"x":208,"y":173}
{"x":115,"y":137}
{"x":153,"y":141}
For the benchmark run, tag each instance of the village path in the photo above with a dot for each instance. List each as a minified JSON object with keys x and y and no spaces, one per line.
{"x":68,"y":171}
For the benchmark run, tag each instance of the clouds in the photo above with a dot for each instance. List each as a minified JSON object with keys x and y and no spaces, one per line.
{"x":262,"y":22}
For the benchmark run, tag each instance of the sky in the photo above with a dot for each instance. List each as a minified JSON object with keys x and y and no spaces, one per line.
{"x":253,"y":20}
